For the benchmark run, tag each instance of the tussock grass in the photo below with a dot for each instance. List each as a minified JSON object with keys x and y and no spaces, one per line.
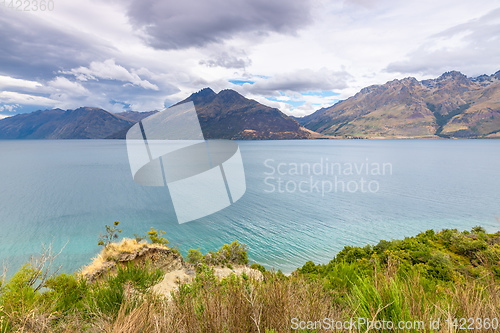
{"x":113,"y":250}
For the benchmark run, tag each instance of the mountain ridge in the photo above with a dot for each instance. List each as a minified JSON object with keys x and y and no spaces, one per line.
{"x":450,"y":106}
{"x":81,"y":123}
{"x":226,"y":115}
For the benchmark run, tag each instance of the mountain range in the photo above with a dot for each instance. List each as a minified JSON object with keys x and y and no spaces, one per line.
{"x":450,"y":106}
{"x":82,"y":123}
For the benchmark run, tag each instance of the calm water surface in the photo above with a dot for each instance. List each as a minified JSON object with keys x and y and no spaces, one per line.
{"x":305,"y":200}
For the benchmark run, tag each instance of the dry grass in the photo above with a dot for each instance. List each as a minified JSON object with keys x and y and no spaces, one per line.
{"x":113,"y":250}
{"x":254,"y":307}
{"x":234,"y":305}
{"x":213,"y":302}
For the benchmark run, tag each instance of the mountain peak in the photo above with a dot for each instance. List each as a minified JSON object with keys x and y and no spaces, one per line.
{"x":205,"y":92}
{"x":205,"y":95}
{"x":229,"y":92}
{"x":451,"y":75}
{"x":229,"y":95}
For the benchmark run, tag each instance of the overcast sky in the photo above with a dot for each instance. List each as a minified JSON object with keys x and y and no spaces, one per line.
{"x":296,"y":55}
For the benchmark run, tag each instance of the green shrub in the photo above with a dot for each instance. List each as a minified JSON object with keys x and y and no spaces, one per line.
{"x":155,"y":236}
{"x":258,"y":267}
{"x":19,"y":289}
{"x":194,"y":256}
{"x":382,"y":246}
{"x":234,"y":252}
{"x":176,"y":251}
{"x":309,"y":268}
{"x":66,"y":291}
{"x":440,"y":267}
{"x":478,"y":229}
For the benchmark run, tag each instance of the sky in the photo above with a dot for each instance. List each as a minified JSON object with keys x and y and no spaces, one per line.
{"x":295,"y":55}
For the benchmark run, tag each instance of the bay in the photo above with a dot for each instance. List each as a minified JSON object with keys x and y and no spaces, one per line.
{"x":305,"y":200}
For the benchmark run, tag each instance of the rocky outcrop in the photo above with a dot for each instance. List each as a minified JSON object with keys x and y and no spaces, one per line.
{"x":157,"y":257}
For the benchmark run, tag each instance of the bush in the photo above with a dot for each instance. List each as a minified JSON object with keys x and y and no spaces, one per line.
{"x":309,"y":268}
{"x":440,"y":267}
{"x":155,"y":236}
{"x":353,"y":253}
{"x":67,"y":292}
{"x":258,"y":267}
{"x":382,"y":246}
{"x":234,"y":253}
{"x":194,"y":256}
{"x":478,"y":229}
{"x":19,"y":292}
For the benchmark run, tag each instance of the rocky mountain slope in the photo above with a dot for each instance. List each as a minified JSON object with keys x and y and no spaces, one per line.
{"x":82,"y":123}
{"x":229,"y":115}
{"x":450,"y":106}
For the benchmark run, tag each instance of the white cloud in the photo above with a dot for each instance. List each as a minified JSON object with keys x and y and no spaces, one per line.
{"x":11,"y":97}
{"x":92,"y":53}
{"x":109,"y":70}
{"x":63,"y":85}
{"x":8,"y":108}
{"x":471,"y":47}
{"x":10,"y":82}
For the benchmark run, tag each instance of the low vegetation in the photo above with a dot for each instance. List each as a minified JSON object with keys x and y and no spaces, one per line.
{"x":431,"y":277}
{"x":234,"y":253}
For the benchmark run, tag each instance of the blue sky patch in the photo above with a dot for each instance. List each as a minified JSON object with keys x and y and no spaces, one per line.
{"x":241,"y":82}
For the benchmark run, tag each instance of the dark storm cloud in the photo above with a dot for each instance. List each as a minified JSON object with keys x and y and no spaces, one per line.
{"x":32,"y":48}
{"x":472,"y":47}
{"x":182,"y":24}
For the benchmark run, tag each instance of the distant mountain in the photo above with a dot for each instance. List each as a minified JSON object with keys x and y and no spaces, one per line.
{"x":229,"y":115}
{"x":226,"y":115}
{"x":82,"y":123}
{"x":135,"y":116}
{"x":450,"y":106}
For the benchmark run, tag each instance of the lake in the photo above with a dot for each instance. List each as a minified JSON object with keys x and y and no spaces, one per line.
{"x":305,"y":200}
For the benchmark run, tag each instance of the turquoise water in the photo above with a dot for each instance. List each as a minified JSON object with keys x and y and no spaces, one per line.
{"x":63,"y":192}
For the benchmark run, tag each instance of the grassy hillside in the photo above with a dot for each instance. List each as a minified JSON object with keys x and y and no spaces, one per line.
{"x":428,"y":283}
